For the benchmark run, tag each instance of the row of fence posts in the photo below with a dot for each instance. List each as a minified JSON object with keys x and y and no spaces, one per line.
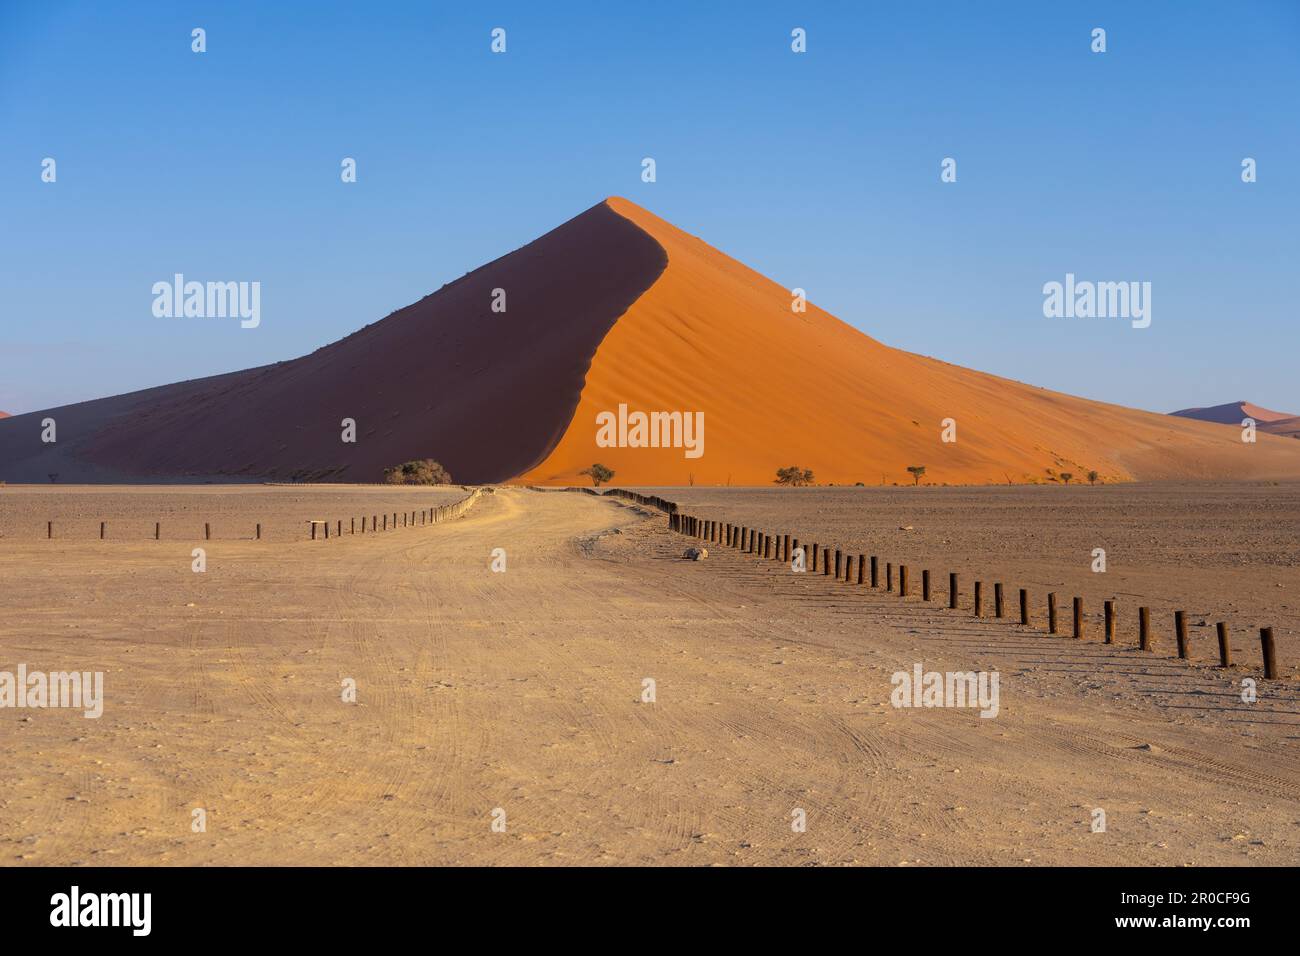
{"x":157,"y":530}
{"x":424,"y":516}
{"x":781,"y":548}
{"x":408,"y":519}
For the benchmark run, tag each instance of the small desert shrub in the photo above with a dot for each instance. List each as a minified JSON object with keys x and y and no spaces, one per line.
{"x":422,"y":471}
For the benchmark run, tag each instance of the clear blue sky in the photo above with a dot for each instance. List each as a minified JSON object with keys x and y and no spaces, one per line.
{"x":820,"y":170}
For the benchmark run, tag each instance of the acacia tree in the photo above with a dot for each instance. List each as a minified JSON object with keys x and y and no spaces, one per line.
{"x":1092,"y":477}
{"x":1066,"y":476}
{"x":794,"y":476}
{"x":917,"y":471}
{"x":599,"y":474}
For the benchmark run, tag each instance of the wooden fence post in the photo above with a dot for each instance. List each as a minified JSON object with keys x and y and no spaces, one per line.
{"x":1110,"y":622}
{"x":839,"y":563}
{"x":979,"y":598}
{"x":925,"y":584}
{"x":1024,"y":606}
{"x":1180,"y":633}
{"x":1269,"y":652}
{"x":889,"y":576}
{"x":826,"y":562}
{"x":952,"y":590}
{"x":313,"y":530}
{"x":1144,"y":628}
{"x":1225,"y":650}
{"x":207,"y":531}
{"x":1051,"y":612}
{"x":902,"y":580}
{"x":862,"y":569}
{"x":49,"y":529}
{"x":157,"y":530}
{"x":101,"y":530}
{"x":259,"y":531}
{"x":997,"y":598}
{"x":875,"y":571}
{"x":848,"y":569}
{"x":1078,"y":618}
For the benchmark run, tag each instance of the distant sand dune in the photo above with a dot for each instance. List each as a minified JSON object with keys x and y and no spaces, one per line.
{"x":615,"y":307}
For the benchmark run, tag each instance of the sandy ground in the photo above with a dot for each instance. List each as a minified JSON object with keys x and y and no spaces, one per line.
{"x":523,"y":691}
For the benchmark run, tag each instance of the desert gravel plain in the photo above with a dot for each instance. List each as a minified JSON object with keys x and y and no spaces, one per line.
{"x":518,"y":696}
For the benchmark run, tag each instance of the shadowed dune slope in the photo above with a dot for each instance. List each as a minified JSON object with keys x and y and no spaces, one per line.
{"x":486,"y":393}
{"x":782,"y":388}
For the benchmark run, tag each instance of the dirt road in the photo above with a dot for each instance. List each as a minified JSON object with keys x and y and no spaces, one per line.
{"x":517,"y":698}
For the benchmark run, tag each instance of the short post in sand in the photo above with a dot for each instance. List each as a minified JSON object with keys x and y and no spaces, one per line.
{"x":1225,"y":650}
{"x":1051,"y":612}
{"x":862,"y":568}
{"x":952,"y":590}
{"x":1144,"y":628}
{"x":848,"y":569}
{"x":902,"y":580}
{"x":157,"y":530}
{"x":1180,"y":633}
{"x":1078,"y":619}
{"x":786,"y":549}
{"x":1110,"y":622}
{"x":258,"y":532}
{"x":826,"y":562}
{"x":925,"y":584}
{"x":875,"y":571}
{"x":101,"y":530}
{"x":1269,"y":652}
{"x":839,"y":564}
{"x":997,"y":598}
{"x":979,"y":598}
{"x":889,"y":576}
{"x":49,"y":529}
{"x":1024,"y":606}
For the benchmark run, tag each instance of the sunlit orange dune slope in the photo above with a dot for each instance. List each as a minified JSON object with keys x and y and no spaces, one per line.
{"x":616,"y":307}
{"x":781,"y":388}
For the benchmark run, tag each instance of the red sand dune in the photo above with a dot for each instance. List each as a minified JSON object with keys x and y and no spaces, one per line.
{"x":618,"y":306}
{"x":1233,"y":413}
